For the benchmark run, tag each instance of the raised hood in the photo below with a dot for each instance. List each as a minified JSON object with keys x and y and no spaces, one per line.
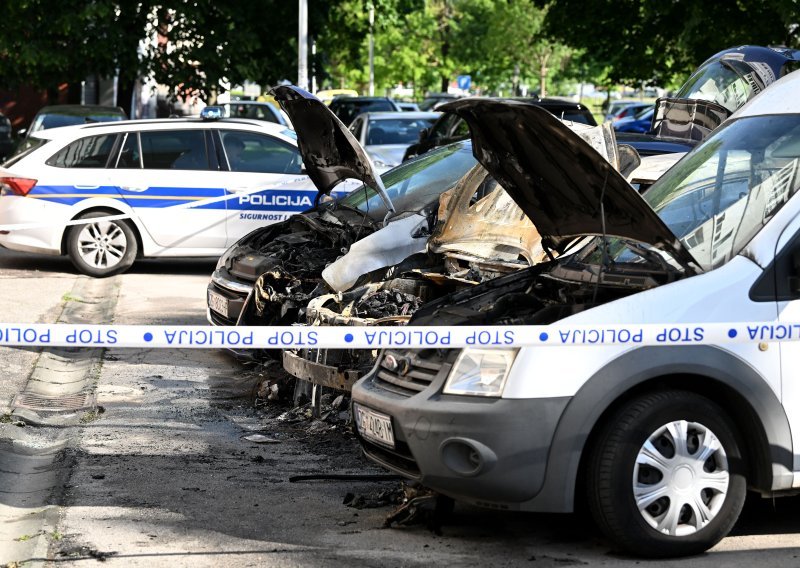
{"x":564,"y":186}
{"x":331,"y":154}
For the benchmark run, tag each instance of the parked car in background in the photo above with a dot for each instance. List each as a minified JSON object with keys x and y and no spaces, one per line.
{"x":180,"y":187}
{"x":661,"y":442}
{"x":629,"y":111}
{"x":408,"y":107}
{"x":450,"y":127}
{"x":56,"y":116}
{"x":615,"y":106}
{"x":327,"y":95}
{"x":347,"y":108}
{"x":432,"y":100}
{"x":6,"y":138}
{"x":255,"y":110}
{"x":386,"y":135}
{"x":642,"y":122}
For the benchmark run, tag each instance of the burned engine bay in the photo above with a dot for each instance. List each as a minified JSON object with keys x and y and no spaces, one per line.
{"x":481,"y":234}
{"x":287,"y":259}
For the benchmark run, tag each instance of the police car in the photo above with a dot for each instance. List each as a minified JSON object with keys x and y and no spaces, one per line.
{"x":107,"y":194}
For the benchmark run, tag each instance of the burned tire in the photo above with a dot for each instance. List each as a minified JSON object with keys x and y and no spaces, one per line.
{"x":665,"y":477}
{"x":101,"y":248}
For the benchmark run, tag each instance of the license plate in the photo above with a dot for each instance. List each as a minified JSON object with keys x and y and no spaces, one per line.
{"x":218,"y":303}
{"x":374,"y":426}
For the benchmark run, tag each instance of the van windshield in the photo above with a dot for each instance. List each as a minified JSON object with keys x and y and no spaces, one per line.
{"x":718,"y":197}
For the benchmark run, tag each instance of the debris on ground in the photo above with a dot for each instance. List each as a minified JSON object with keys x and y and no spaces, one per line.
{"x":261,"y":439}
{"x":375,"y":499}
{"x":421,"y":505}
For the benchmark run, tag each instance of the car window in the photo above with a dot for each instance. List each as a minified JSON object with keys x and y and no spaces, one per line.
{"x":258,"y":112}
{"x":27,"y":146}
{"x":88,"y":152}
{"x":131,"y":154}
{"x":443,"y":126}
{"x":174,"y":150}
{"x":460,"y":130}
{"x":257,"y":153}
{"x":395,"y":131}
{"x":355,"y":128}
{"x":347,"y":110}
{"x":415,"y":183}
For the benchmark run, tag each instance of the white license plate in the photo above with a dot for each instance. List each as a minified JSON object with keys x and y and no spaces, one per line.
{"x":218,"y":303}
{"x":374,"y":425}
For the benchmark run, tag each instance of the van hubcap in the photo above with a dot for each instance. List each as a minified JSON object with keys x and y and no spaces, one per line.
{"x":681,"y":478}
{"x":102,"y":244}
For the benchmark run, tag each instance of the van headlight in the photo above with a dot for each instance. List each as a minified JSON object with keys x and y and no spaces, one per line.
{"x":480,"y":372}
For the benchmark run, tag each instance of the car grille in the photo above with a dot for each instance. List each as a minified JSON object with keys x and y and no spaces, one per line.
{"x":413,"y":372}
{"x":399,"y":459}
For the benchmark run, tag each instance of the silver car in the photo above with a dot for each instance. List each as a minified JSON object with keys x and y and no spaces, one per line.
{"x":386,"y":135}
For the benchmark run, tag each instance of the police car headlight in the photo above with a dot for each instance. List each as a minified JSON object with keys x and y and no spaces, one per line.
{"x":225,"y":256}
{"x":480,"y":372}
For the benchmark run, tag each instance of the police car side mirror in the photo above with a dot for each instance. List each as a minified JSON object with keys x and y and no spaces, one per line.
{"x":794,"y":275}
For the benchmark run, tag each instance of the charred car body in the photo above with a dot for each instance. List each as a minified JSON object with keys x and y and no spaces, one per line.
{"x":286,"y":259}
{"x":662,"y":440}
{"x":481,"y":234}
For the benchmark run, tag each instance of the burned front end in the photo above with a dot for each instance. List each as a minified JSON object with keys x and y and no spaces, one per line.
{"x":481,"y":234}
{"x":296,"y":248}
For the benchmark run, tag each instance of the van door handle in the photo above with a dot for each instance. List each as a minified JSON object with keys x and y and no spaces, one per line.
{"x":135,"y":188}
{"x":86,"y":186}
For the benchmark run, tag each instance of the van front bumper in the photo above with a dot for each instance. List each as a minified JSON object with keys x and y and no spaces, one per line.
{"x":487,"y":451}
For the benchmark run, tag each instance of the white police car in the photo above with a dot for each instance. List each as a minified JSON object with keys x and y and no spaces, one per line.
{"x":106,"y":194}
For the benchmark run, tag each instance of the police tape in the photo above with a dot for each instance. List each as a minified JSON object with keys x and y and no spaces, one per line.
{"x":238,"y":195}
{"x":380,"y":337}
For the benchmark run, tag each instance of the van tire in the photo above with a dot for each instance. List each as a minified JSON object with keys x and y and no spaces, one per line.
{"x":658,"y":419}
{"x":102,"y":248}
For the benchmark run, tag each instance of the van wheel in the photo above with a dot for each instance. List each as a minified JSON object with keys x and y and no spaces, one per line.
{"x":665,"y":477}
{"x":101,"y":248}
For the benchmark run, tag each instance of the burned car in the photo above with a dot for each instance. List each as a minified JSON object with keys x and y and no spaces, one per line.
{"x":291,"y":254}
{"x":481,"y":234}
{"x":662,"y":439}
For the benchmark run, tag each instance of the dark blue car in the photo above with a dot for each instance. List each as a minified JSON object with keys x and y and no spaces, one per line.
{"x":641,"y":122}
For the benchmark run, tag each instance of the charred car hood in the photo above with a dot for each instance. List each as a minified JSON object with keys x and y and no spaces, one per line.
{"x":331,"y":154}
{"x":564,"y":186}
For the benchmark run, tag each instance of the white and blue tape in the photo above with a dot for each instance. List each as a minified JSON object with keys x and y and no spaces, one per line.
{"x":412,"y":337}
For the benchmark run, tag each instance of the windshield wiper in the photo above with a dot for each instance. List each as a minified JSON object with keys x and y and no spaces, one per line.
{"x":650,"y":255}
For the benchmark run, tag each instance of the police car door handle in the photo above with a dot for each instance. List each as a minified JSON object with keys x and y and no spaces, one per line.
{"x":136,"y":188}
{"x":86,"y":186}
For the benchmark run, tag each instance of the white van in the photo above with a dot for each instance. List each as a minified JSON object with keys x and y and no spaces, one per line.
{"x":662,"y":441}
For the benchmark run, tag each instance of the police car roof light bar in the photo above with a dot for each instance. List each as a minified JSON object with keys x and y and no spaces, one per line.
{"x":212,"y":113}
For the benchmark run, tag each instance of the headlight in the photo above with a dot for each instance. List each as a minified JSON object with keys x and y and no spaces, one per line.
{"x":480,"y":372}
{"x":225,"y":256}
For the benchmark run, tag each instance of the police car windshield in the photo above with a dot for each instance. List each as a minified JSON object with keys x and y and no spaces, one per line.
{"x":414,"y":184}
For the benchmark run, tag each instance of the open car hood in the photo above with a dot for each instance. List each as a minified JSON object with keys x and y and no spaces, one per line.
{"x":564,"y":186}
{"x":331,"y":154}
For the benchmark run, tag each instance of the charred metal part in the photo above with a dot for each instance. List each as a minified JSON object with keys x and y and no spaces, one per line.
{"x":421,"y":506}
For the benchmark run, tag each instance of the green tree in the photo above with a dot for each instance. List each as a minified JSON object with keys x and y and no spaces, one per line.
{"x":644,"y":40}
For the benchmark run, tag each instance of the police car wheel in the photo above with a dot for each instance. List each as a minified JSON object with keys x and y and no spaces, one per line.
{"x":102,"y":248}
{"x":665,"y":475}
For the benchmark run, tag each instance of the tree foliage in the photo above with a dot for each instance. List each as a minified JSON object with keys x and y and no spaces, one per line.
{"x":642,"y":40}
